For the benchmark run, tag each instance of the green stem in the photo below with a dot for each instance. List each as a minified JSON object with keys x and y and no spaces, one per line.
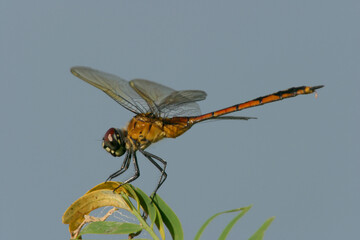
{"x":137,"y":214}
{"x":145,"y":225}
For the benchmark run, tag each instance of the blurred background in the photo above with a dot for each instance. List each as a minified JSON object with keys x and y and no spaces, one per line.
{"x":299,"y":161}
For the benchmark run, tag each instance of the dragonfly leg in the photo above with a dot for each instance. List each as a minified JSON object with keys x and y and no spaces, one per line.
{"x":137,"y":172}
{"x":162,"y":170}
{"x":124,"y":167}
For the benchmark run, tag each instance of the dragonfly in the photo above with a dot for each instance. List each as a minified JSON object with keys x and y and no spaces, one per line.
{"x":160,"y":112}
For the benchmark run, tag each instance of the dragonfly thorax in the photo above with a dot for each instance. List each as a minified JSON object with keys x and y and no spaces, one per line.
{"x":114,"y":142}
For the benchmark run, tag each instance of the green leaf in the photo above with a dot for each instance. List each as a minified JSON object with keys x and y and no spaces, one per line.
{"x":110,"y":228}
{"x":145,"y":201}
{"x":170,"y":219}
{"x":259,"y":234}
{"x":160,"y":223}
{"x":207,"y":222}
{"x":232,"y":223}
{"x":142,"y":221}
{"x":152,"y":211}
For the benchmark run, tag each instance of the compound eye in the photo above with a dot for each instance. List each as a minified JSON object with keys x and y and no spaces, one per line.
{"x":113,"y":142}
{"x":110,"y":139}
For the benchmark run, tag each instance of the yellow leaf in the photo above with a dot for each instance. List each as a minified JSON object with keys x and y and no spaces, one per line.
{"x":92,"y":200}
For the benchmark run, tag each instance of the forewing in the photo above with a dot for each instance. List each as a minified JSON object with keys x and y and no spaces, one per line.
{"x":114,"y":86}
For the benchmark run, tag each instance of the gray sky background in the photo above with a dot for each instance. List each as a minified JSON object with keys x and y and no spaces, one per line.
{"x":299,"y":161}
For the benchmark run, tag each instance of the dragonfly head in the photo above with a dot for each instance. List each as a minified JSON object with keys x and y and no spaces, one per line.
{"x":113,"y":142}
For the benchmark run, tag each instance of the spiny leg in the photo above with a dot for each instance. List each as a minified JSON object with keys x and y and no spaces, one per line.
{"x":124,"y":167}
{"x":162,"y":170}
{"x":137,"y":171}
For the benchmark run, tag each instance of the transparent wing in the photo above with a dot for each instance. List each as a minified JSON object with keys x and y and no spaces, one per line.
{"x":153,"y":93}
{"x":114,"y":86}
{"x":166,"y":102}
{"x":182,"y":103}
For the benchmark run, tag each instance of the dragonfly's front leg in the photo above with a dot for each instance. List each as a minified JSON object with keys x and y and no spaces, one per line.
{"x":137,"y":171}
{"x":124,"y":167}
